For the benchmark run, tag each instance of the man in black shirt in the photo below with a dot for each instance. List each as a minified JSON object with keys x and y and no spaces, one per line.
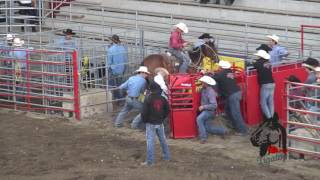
{"x":267,"y":86}
{"x":155,"y":110}
{"x":232,"y":95}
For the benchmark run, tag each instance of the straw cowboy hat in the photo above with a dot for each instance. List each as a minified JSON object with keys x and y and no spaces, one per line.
{"x":18,"y":42}
{"x":9,"y":37}
{"x":182,"y":26}
{"x":208,"y":80}
{"x":274,"y":37}
{"x":142,"y":69}
{"x":263,"y":54}
{"x":68,"y":32}
{"x":224,"y":64}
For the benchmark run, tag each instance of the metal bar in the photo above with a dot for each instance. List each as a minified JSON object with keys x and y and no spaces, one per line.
{"x":310,"y":153}
{"x":311,"y":126}
{"x":304,"y":139}
{"x":76,"y":86}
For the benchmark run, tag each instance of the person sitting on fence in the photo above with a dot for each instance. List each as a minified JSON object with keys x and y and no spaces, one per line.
{"x":207,"y":110}
{"x":6,"y":45}
{"x":155,"y":110}
{"x":68,"y":44}
{"x":231,"y":93}
{"x":29,"y":4}
{"x":135,"y":85}
{"x":309,"y":65}
{"x":266,"y":82}
{"x":176,"y":45}
{"x":161,"y":76}
{"x":278,"y":52}
{"x":117,"y":60}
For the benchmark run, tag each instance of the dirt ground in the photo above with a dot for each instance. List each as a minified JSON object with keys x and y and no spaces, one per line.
{"x":34,"y":148}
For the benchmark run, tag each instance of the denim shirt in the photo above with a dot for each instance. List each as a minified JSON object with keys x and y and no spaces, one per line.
{"x":311,"y":79}
{"x":20,"y":54}
{"x":117,"y":57}
{"x":208,"y":99}
{"x":65,"y":44}
{"x":277,"y":53}
{"x":134,"y":85}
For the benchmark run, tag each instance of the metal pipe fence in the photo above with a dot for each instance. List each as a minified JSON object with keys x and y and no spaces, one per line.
{"x":43,"y":81}
{"x":303,"y":122}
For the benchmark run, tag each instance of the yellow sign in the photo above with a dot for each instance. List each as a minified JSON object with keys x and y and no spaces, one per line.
{"x":209,"y":65}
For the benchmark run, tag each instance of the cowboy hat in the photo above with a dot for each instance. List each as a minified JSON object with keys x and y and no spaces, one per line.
{"x":183,"y":27}
{"x":224,"y":64}
{"x":9,"y":37}
{"x":264,"y":47}
{"x":274,"y":37}
{"x":311,"y":62}
{"x":18,"y":42}
{"x":208,"y":80}
{"x":69,"y":31}
{"x":115,"y":38}
{"x":317,"y":69}
{"x":205,"y":36}
{"x":263,"y":54}
{"x":25,"y":1}
{"x":142,"y":69}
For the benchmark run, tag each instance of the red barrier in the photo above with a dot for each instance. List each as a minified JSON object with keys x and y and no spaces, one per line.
{"x":184,"y":100}
{"x":251,"y":109}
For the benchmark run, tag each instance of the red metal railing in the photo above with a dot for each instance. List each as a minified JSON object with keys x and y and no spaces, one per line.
{"x":41,"y":85}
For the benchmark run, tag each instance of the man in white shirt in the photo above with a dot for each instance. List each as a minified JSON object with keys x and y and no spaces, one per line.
{"x":161,"y":75}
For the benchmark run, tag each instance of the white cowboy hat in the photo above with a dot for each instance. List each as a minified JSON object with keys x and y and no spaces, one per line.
{"x":224,"y":64}
{"x":274,"y":37}
{"x":208,"y":80}
{"x":18,"y":42}
{"x":263,"y":54}
{"x":183,"y":27}
{"x":9,"y":37}
{"x":143,"y":69}
{"x":317,"y":69}
{"x":25,"y":1}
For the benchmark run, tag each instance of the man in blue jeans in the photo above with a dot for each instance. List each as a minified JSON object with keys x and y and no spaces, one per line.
{"x":155,"y":110}
{"x":232,"y":95}
{"x":207,"y":110}
{"x":135,"y":85}
{"x":267,"y":85}
{"x":117,"y":60}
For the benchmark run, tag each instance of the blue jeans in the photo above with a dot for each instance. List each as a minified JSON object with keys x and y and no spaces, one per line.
{"x":183,"y":58}
{"x":151,"y":132}
{"x":131,"y":103}
{"x":115,"y":81}
{"x":233,"y":111}
{"x":267,"y":99}
{"x":204,"y":126}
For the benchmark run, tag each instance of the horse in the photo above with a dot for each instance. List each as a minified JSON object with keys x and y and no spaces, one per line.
{"x":169,"y":62}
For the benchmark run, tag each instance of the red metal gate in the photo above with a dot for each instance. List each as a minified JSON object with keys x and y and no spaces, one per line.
{"x":184,"y":99}
{"x":44,"y":81}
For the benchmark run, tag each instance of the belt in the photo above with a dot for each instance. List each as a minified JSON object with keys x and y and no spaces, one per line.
{"x":133,"y":97}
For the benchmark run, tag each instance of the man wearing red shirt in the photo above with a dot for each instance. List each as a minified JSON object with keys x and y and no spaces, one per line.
{"x":177,"y":44}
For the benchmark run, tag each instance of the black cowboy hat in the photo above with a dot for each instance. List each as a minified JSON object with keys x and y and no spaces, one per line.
{"x":205,"y":36}
{"x":69,"y":31}
{"x":311,"y":62}
{"x":264,"y":47}
{"x":115,"y":38}
{"x":293,"y":78}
